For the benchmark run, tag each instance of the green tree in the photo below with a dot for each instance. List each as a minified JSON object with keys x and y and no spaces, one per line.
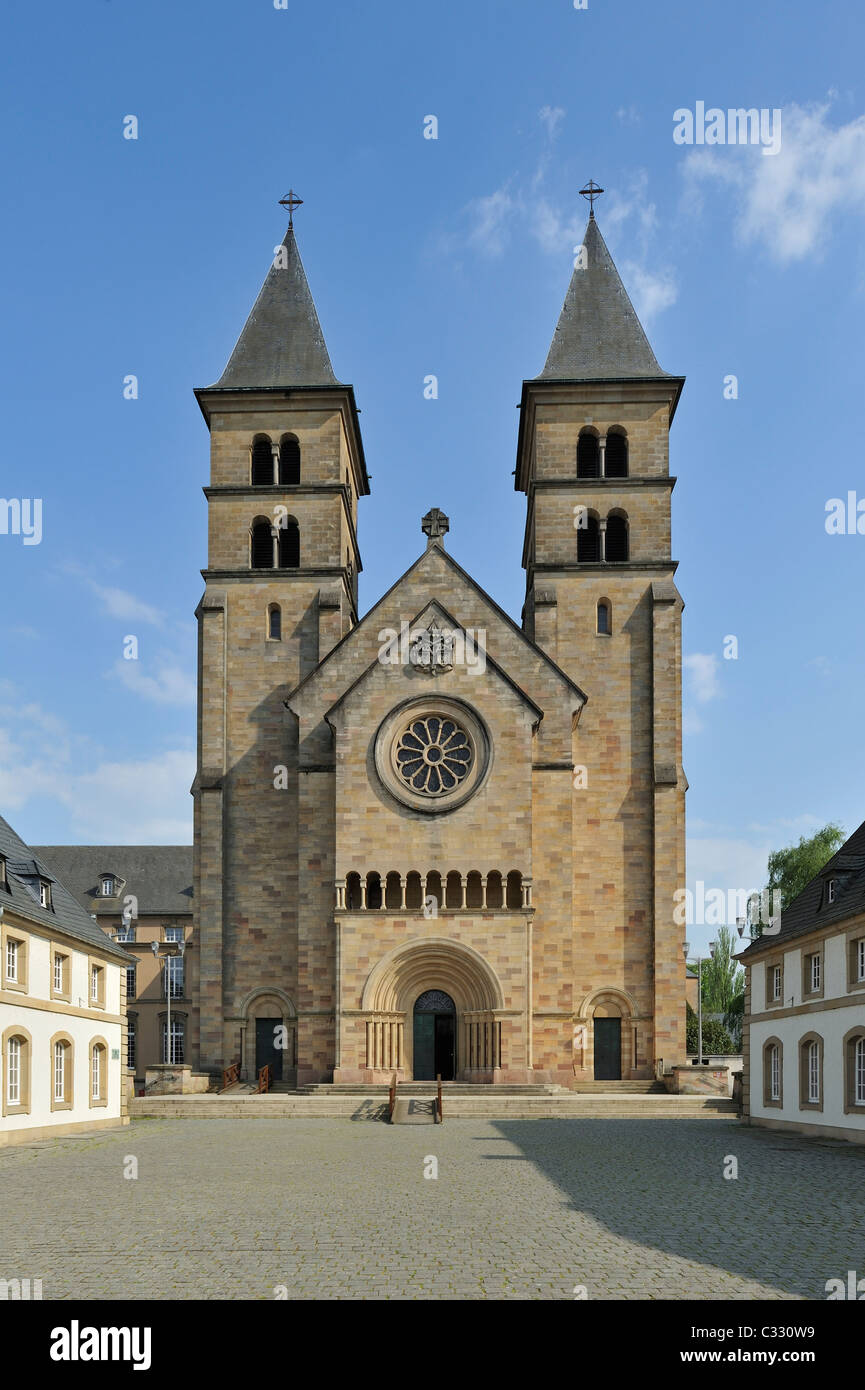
{"x":723,"y":977}
{"x":716,"y":1039}
{"x":792,"y":868}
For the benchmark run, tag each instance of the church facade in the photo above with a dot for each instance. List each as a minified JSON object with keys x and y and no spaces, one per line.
{"x":429,"y":840}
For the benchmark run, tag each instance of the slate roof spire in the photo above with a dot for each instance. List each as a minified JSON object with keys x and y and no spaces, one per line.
{"x":598,"y":336}
{"x":282,"y":344}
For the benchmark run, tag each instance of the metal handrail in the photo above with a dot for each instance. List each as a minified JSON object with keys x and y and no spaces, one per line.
{"x":439,"y":1116}
{"x":391,"y":1098}
{"x":264,"y":1079}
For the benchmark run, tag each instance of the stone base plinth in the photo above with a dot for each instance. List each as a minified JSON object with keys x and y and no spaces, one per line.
{"x":174,"y":1079}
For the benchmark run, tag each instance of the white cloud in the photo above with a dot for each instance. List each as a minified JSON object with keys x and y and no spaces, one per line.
{"x":652,"y":291}
{"x":143,"y":800}
{"x":785,"y":201}
{"x":490,"y":219}
{"x":702,"y":669}
{"x":118,"y":603}
{"x":551,"y":117}
{"x":171,"y":684}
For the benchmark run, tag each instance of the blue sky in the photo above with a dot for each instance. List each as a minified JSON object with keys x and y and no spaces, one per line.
{"x":448,"y":257}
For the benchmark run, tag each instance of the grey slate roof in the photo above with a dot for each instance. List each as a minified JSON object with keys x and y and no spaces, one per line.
{"x":598,"y":336}
{"x":65,"y":913}
{"x":160,"y":876}
{"x":810,"y":911}
{"x":282,"y":343}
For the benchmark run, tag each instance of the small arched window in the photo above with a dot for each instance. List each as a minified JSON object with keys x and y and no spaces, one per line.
{"x":289,"y":460}
{"x":262,"y":461}
{"x":274,"y":623}
{"x":617,"y":538}
{"x":616,"y":454}
{"x":605,"y":618}
{"x":588,"y":539}
{"x":261,"y":552}
{"x":588,"y":455}
{"x":289,"y":544}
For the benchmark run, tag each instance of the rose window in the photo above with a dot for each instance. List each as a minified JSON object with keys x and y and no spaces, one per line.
{"x":434,"y":755}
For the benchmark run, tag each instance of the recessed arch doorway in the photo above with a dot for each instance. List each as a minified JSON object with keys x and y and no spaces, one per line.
{"x":434,"y":1036}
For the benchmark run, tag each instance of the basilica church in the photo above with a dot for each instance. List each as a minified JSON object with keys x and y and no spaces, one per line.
{"x":430,"y":840}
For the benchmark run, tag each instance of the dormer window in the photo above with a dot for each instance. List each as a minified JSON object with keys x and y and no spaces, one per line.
{"x":108,"y":885}
{"x":3,"y":880}
{"x":831,"y":890}
{"x":44,"y":893}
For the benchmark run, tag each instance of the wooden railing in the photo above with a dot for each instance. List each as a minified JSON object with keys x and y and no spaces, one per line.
{"x":265,"y":1080}
{"x":391,"y":1098}
{"x":230,"y":1076}
{"x":438,"y":1099}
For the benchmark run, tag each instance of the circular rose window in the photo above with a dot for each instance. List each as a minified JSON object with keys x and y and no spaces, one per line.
{"x":432,"y":754}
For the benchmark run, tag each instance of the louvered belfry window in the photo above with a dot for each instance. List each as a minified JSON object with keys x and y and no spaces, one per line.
{"x":262,"y":463}
{"x":262,"y":546}
{"x":588,"y":457}
{"x":289,"y":461}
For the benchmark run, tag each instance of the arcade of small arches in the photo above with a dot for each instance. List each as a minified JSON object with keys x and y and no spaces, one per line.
{"x":602,"y":455}
{"x":450,"y":892}
{"x":274,"y":464}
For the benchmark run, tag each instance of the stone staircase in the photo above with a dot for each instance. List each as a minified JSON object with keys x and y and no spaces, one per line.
{"x":615,"y":1100}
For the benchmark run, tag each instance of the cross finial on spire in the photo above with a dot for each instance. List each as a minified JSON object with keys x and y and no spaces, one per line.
{"x":591,"y":191}
{"x":291,"y":202}
{"x":434,"y":525}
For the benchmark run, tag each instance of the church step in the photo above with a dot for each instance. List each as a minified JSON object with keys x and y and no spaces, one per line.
{"x":480,"y":1105}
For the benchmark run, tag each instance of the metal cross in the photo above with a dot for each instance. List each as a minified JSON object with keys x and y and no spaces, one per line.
{"x":591,"y":191}
{"x":291,"y":202}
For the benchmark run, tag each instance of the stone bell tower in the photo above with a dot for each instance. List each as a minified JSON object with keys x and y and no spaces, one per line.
{"x":593,"y":462}
{"x":287,"y":469}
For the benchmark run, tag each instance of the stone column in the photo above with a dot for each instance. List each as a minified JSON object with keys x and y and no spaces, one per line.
{"x":602,"y":540}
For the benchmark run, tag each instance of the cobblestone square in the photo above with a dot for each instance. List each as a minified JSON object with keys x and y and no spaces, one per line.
{"x":521,"y":1209}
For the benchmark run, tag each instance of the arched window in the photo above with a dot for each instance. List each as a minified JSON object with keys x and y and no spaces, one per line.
{"x":262,"y":461}
{"x":274,"y":623}
{"x":413,"y":890}
{"x":289,"y":544}
{"x":854,"y":1071}
{"x":605,"y":617}
{"x":289,"y":460}
{"x":588,"y":455}
{"x":434,"y":887}
{"x":495,"y":890}
{"x":392,"y":891}
{"x":373,"y":890}
{"x":514,"y":891}
{"x":62,"y":1071}
{"x":99,"y":1071}
{"x":261,"y":550}
{"x":474,"y":889}
{"x":588,"y":538}
{"x":453,"y":890}
{"x":773,"y":1077}
{"x":16,"y":1079}
{"x":617,"y":538}
{"x":616,"y":454}
{"x":811,"y":1072}
{"x":352,"y":892}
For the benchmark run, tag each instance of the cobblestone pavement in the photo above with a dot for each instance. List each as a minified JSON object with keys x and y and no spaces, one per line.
{"x":629,"y":1209}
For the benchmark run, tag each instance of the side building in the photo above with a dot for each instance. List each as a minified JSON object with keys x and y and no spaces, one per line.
{"x":141,"y":895}
{"x":62,"y":1005}
{"x":804,"y":1028}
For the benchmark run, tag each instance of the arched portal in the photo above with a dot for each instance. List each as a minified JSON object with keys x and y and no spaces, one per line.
{"x":433,"y":1035}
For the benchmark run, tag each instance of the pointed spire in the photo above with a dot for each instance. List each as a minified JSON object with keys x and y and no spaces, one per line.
{"x":598,"y":336}
{"x":282,"y":343}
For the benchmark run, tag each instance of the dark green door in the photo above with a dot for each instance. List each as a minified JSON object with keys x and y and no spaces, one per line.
{"x":266,"y":1051}
{"x":433,"y":1036}
{"x":608,"y":1049}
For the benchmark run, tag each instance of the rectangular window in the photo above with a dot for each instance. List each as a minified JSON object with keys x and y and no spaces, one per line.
{"x":775,"y":1074}
{"x":859,"y":1077}
{"x":776,"y":982}
{"x":97,"y":1072}
{"x":173,"y":934}
{"x":12,"y":960}
{"x":814,"y":973}
{"x":130,"y":982}
{"x":814,"y":1073}
{"x":94,"y":983}
{"x":44,"y":893}
{"x":176,"y":1052}
{"x":13,"y":1072}
{"x":830,"y":891}
{"x":860,"y":961}
{"x":130,"y":1043}
{"x":58,"y":973}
